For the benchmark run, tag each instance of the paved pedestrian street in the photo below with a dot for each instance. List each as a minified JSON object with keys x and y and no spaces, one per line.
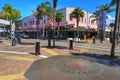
{"x":16,"y":60}
{"x":13,"y":66}
{"x":73,"y":68}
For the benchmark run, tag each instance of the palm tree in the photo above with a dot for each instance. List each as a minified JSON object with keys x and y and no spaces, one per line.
{"x":107,"y":9}
{"x":6,"y":9}
{"x":59,"y":18}
{"x":95,"y":18}
{"x":38,"y":17}
{"x":113,"y":2}
{"x":44,"y":9}
{"x":11,"y":14}
{"x":117,"y":19}
{"x":77,"y":13}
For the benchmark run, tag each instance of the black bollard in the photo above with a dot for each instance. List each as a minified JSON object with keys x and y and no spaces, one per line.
{"x":49,"y":43}
{"x":37,"y":48}
{"x":14,"y":41}
{"x":71,"y":45}
{"x":94,"y":40}
{"x":19,"y":40}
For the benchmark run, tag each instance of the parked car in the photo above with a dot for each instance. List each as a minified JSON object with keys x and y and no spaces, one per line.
{"x":22,"y":35}
{"x":11,"y":36}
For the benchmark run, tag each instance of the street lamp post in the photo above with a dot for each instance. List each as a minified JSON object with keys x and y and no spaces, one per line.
{"x":115,"y":27}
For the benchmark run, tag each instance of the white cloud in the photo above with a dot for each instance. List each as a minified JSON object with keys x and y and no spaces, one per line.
{"x":110,"y":19}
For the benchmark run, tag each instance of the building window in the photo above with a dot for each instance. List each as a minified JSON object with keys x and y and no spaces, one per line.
{"x":92,"y":22}
{"x":25,"y":24}
{"x":82,"y":19}
{"x":31,"y":23}
{"x":85,"y":20}
{"x":44,"y":21}
{"x":79,"y":19}
{"x":71,"y":17}
{"x":89,"y":20}
{"x":37,"y":23}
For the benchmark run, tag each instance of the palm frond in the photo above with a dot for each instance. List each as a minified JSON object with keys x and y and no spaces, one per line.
{"x":111,"y":10}
{"x":113,"y":2}
{"x":93,"y":16}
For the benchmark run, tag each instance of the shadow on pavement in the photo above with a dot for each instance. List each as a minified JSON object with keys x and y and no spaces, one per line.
{"x":80,"y":41}
{"x":102,"y":59}
{"x":73,"y":67}
{"x":1,"y":41}
{"x":26,"y":43}
{"x":56,"y":47}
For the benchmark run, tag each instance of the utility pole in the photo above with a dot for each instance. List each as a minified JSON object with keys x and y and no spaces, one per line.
{"x":115,"y":27}
{"x":54,"y":9}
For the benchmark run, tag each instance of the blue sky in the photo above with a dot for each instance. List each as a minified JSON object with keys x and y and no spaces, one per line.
{"x":25,"y":6}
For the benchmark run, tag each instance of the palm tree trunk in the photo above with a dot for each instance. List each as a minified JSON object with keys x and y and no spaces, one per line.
{"x":118,"y":30}
{"x":54,"y":27}
{"x":10,"y":28}
{"x":115,"y":27}
{"x":97,"y":29}
{"x":37,"y":27}
{"x":43,"y":28}
{"x":77,"y":29}
{"x":58,"y":32}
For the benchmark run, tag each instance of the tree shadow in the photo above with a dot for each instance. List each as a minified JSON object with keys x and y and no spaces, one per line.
{"x":80,"y":42}
{"x":56,"y":47}
{"x":99,"y":58}
{"x":26,"y":43}
{"x":1,"y":41}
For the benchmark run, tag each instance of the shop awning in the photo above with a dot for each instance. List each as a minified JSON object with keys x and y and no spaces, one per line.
{"x":4,"y":22}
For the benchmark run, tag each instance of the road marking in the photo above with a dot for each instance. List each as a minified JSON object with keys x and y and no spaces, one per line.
{"x":49,"y":51}
{"x":42,"y":56}
{"x":12,"y":77}
{"x":83,"y":50}
{"x":14,"y":52}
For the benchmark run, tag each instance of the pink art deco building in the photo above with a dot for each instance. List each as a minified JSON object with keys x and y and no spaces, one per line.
{"x":85,"y":22}
{"x":28,"y":24}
